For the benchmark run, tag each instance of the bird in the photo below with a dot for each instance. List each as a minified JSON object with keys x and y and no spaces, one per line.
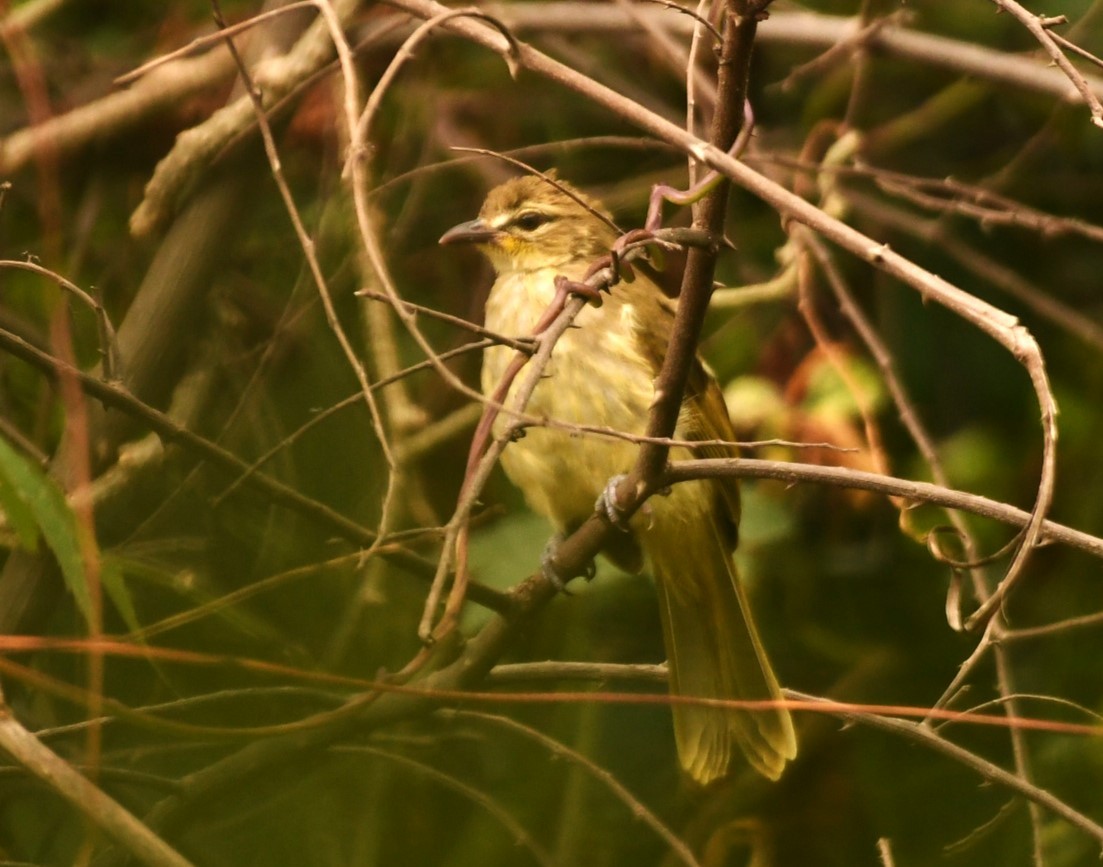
{"x":602,"y":372}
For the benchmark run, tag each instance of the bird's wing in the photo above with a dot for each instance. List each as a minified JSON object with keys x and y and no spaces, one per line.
{"x":705,"y":415}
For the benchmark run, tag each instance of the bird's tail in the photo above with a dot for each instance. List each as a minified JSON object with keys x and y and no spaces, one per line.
{"x":714,"y":652}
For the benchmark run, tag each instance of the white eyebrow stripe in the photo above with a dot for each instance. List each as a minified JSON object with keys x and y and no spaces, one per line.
{"x":501,"y":221}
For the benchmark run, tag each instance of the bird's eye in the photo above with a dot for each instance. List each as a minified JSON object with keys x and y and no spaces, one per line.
{"x":530,"y":220}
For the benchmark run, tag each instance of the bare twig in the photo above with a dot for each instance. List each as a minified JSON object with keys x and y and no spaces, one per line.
{"x":117,"y":397}
{"x":479,"y":467}
{"x":783,"y":471}
{"x":341,"y":405}
{"x":42,"y":762}
{"x":818,"y":31}
{"x":523,"y":839}
{"x":909,"y":415}
{"x":307,"y":245}
{"x":1069,"y":45}
{"x":109,"y":346}
{"x":211,"y":40}
{"x":883,"y":718}
{"x":691,"y":79}
{"x":1039,"y":29}
{"x":807,"y":306}
{"x":677,"y":846}
{"x":985,"y":267}
{"x":1026,"y":633}
{"x":117,"y":112}
{"x":924,"y":736}
{"x":949,"y":195}
{"x":842,"y":51}
{"x":197,"y":147}
{"x":432,"y":312}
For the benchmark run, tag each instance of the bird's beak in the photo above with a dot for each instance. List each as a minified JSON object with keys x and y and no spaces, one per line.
{"x":471,"y":232}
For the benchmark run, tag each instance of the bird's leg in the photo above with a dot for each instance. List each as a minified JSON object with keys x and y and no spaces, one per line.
{"x":551,"y":571}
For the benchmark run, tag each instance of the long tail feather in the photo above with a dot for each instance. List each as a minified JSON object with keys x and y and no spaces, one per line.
{"x":715,"y":652}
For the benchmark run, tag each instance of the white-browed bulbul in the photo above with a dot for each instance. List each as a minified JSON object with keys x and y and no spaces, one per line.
{"x":603,"y":373}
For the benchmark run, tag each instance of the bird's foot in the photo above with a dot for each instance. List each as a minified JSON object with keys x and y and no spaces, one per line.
{"x":607,"y":505}
{"x":551,"y":571}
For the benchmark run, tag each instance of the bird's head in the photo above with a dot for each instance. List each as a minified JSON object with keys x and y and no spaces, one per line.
{"x":527,"y":223}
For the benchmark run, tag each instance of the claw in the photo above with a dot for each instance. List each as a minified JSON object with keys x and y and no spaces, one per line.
{"x":607,"y":504}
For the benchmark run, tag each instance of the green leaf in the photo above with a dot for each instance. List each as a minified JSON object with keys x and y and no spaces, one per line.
{"x":114,"y":583}
{"x":18,"y":516}
{"x":30,"y":497}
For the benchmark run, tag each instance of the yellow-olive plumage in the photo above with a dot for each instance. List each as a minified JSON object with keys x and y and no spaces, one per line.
{"x":603,"y":373}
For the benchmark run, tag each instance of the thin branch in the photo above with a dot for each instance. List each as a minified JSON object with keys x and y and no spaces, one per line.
{"x":740,"y":26}
{"x":842,"y":51}
{"x":843,"y":477}
{"x":1039,"y":29}
{"x":211,"y":40}
{"x":677,"y":846}
{"x":307,"y":244}
{"x":109,"y":346}
{"x":1027,"y":633}
{"x":817,"y":31}
{"x":1069,"y":45}
{"x":115,"y":113}
{"x":905,"y":407}
{"x":986,"y":268}
{"x":925,"y":737}
{"x":980,"y":588}
{"x":197,"y":147}
{"x":977,"y":202}
{"x":106,"y":813}
{"x":865,"y":715}
{"x":115,"y":396}
{"x":521,"y":837}
{"x":432,"y":312}
{"x":346,"y":403}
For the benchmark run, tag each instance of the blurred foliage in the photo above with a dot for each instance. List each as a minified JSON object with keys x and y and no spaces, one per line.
{"x":851,"y":606}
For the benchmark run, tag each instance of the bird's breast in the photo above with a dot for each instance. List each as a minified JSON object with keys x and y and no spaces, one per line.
{"x":597,"y":377}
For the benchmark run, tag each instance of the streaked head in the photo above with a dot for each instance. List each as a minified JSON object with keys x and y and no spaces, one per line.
{"x":527,"y":223}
